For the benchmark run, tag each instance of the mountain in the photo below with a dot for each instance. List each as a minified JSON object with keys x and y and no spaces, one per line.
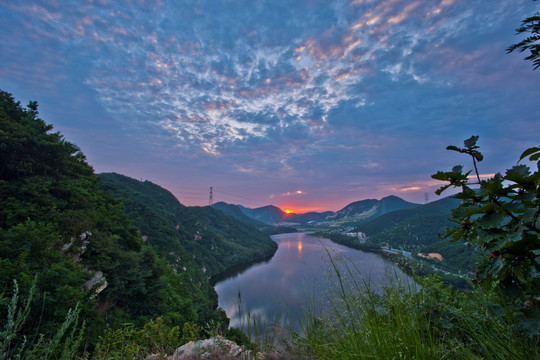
{"x":409,"y":227}
{"x":354,"y":213}
{"x":269,"y":214}
{"x":214,"y":240}
{"x":418,"y":229}
{"x":235,"y":212}
{"x":365,"y":210}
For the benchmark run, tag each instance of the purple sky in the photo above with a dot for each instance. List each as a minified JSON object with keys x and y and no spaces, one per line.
{"x":307,"y":104}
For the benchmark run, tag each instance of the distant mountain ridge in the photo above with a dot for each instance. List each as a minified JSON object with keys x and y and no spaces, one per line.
{"x":236,"y":212}
{"x":418,"y":229}
{"x":269,"y":214}
{"x":414,"y":226}
{"x":354,"y":213}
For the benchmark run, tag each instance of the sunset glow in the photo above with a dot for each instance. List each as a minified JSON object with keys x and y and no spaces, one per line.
{"x":291,"y":209}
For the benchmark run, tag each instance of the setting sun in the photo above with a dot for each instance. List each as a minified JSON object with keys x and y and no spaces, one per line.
{"x":288,"y":211}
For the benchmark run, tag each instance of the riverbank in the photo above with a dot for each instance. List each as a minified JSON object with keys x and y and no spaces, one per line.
{"x":240,"y":268}
{"x":409,"y":264}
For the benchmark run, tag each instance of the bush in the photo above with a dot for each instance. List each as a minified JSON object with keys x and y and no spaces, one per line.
{"x":501,"y":216}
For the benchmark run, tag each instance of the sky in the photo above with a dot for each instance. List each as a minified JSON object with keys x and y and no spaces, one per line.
{"x":308,"y":105}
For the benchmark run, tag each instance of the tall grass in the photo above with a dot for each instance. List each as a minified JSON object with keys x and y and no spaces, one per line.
{"x":262,"y":334}
{"x":401,"y":321}
{"x":63,"y":344}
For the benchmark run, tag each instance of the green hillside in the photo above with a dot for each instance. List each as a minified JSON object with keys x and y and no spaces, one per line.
{"x":411,"y":228}
{"x":235,"y":212}
{"x":270,"y":214}
{"x":214,"y":240}
{"x":418,"y":229}
{"x":76,"y":243}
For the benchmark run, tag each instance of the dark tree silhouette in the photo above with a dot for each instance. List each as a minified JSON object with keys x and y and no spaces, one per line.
{"x":530,"y":25}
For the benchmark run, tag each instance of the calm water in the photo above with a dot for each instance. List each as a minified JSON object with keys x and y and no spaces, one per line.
{"x":279,"y":289}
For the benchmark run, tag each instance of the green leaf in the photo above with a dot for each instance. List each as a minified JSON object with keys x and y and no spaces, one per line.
{"x":497,"y":243}
{"x":457,"y":169}
{"x":454,"y":148}
{"x":491,"y":220}
{"x":518,"y":173}
{"x":530,"y":151}
{"x":443,"y":176}
{"x":470,"y":143}
{"x":441,"y":189}
{"x":529,"y":215}
{"x":478,"y":155}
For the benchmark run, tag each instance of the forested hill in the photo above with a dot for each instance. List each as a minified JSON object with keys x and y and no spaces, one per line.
{"x":417,"y":229}
{"x":214,"y":240}
{"x":412,"y":227}
{"x":77,"y":248}
{"x":234,"y":211}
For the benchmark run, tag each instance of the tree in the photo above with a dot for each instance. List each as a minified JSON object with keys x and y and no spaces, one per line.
{"x":501,"y":215}
{"x":532,"y":43}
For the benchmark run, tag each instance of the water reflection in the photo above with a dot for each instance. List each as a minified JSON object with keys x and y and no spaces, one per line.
{"x":299,"y":272}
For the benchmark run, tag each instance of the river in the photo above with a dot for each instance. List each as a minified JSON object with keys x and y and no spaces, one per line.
{"x":299,"y":274}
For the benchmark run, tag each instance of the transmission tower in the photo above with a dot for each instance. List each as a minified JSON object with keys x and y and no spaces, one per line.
{"x":211,"y":197}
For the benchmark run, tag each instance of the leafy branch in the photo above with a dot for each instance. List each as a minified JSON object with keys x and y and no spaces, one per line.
{"x":532,"y":42}
{"x":501,"y":217}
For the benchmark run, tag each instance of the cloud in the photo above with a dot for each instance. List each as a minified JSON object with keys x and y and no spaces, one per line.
{"x":322,"y":91}
{"x":293,"y":193}
{"x":198,"y":73}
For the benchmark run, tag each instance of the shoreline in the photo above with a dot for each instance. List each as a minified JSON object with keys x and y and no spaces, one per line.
{"x":240,"y":268}
{"x":409,"y":265}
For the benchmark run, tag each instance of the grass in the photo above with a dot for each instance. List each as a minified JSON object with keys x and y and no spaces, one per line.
{"x":262,"y":335}
{"x":63,"y":344}
{"x":407,"y":322}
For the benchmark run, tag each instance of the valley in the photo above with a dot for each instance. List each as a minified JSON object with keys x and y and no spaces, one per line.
{"x":95,"y":266}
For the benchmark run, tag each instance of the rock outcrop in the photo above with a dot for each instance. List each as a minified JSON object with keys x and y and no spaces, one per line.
{"x":214,"y":348}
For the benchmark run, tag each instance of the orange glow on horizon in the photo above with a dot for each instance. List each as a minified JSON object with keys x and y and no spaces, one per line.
{"x":294,"y":210}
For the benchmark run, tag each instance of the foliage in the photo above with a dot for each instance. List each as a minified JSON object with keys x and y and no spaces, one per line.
{"x":400,"y":322}
{"x":62,"y":345}
{"x":501,"y":217}
{"x":458,"y":257}
{"x":156,"y":337}
{"x":411,"y":229}
{"x":77,"y":242}
{"x":532,"y":42}
{"x":191,"y":332}
{"x":48,"y":197}
{"x":237,"y":336}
